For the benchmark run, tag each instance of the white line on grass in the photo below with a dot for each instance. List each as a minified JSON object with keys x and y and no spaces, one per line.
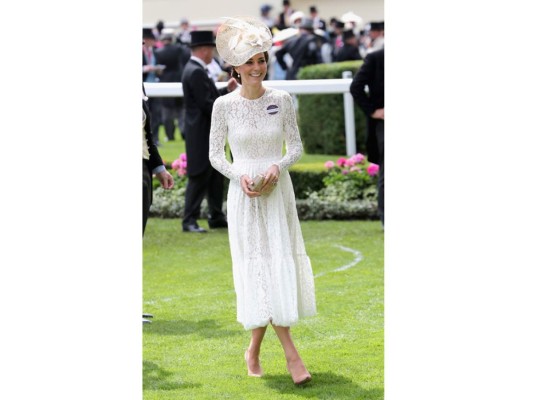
{"x":357,"y":257}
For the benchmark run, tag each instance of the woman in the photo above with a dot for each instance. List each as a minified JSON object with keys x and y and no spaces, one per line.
{"x":272,"y":274}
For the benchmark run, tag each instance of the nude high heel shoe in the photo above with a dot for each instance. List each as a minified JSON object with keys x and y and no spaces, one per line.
{"x":250,"y":372}
{"x":299,"y":377}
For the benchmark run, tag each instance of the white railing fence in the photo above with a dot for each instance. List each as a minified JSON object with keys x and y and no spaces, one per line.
{"x":311,"y":86}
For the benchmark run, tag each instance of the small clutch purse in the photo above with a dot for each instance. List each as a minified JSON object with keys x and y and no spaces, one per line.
{"x":257,"y":183}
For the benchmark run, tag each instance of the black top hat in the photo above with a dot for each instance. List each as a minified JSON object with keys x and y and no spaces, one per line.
{"x":148,"y":34}
{"x":377,"y":26}
{"x":202,"y":38}
{"x":347,"y":34}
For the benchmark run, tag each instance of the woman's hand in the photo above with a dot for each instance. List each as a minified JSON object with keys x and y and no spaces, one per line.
{"x":271,"y":179}
{"x":245,"y":186}
{"x":271,"y":175}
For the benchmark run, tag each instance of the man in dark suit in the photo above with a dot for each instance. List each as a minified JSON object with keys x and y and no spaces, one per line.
{"x":152,"y":164}
{"x":283,"y":18}
{"x":151,"y":72}
{"x":199,"y":94}
{"x":372,"y":74}
{"x":318,"y":23}
{"x":350,"y":49}
{"x":173,"y":56}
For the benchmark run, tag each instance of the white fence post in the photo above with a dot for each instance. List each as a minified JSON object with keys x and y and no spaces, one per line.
{"x":349,"y":119}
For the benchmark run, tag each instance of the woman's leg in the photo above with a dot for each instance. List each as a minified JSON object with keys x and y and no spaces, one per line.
{"x":252,"y":354}
{"x":295,"y":365}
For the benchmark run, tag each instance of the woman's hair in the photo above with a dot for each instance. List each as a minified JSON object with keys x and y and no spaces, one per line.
{"x":235,"y":75}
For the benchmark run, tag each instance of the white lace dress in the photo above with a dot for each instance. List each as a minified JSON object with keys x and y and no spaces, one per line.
{"x":271,"y":270}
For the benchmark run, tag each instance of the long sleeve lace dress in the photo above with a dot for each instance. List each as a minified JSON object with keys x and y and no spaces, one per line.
{"x":272,"y":273}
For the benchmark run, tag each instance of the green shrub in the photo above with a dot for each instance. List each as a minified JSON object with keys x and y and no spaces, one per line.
{"x":179,"y":181}
{"x":348,"y":191}
{"x":306,"y":182}
{"x":321,"y":116}
{"x":323,"y":194}
{"x":168,"y":203}
{"x":171,"y":204}
{"x":350,"y":179}
{"x":314,"y":208}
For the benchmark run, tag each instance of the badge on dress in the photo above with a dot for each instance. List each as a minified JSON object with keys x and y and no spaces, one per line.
{"x":272,"y":109}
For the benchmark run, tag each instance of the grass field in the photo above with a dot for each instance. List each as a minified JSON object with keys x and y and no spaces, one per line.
{"x":194,"y":347}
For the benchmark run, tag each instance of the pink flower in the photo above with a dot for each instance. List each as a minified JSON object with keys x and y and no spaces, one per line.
{"x":344,"y":172}
{"x":359,"y":158}
{"x":176,"y":164}
{"x":341,"y":161}
{"x":180,"y":164}
{"x":355,"y":168}
{"x":372,"y":169}
{"x":329,"y":164}
{"x":349,"y":162}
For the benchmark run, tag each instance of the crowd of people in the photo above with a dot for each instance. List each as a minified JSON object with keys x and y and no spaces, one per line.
{"x":299,"y":39}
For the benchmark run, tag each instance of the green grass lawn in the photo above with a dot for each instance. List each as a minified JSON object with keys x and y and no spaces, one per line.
{"x":169,"y":151}
{"x":194,"y":347}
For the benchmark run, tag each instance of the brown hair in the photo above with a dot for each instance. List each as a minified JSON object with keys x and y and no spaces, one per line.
{"x":235,"y":75}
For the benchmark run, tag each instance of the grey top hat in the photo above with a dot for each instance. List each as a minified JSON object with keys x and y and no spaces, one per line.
{"x":307,"y":23}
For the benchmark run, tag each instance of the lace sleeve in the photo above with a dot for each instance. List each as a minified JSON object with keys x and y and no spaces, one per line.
{"x":291,"y":134}
{"x":217,"y":142}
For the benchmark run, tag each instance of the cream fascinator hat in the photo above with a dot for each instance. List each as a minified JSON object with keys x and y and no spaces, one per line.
{"x":240,"y":38}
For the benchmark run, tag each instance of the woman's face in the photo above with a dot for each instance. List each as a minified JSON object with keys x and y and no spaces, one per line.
{"x":254,"y":70}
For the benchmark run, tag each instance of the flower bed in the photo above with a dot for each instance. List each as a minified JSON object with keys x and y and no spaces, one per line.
{"x":346,"y":189}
